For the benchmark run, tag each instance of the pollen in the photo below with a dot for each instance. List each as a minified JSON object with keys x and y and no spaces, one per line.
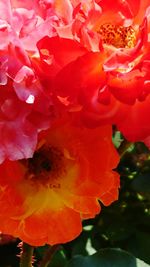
{"x":118,"y":36}
{"x":46,"y":166}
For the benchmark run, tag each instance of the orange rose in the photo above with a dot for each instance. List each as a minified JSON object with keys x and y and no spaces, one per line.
{"x":44,"y":199}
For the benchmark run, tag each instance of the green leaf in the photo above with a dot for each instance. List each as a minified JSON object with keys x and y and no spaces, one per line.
{"x":107,"y":258}
{"x":139,"y":245}
{"x":117,"y":139}
{"x":79,"y":247}
{"x":58,"y":260}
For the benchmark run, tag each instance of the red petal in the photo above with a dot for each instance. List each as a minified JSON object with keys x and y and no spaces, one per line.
{"x":136,"y":126}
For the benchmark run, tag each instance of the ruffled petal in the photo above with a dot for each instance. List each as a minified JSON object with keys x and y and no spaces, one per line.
{"x":70,"y":172}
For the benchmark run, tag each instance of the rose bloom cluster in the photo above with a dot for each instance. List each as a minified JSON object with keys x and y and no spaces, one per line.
{"x":69,"y":70}
{"x":104,"y":74}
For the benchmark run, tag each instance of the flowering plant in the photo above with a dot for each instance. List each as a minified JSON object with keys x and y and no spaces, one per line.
{"x":73,"y":76}
{"x":104,"y":74}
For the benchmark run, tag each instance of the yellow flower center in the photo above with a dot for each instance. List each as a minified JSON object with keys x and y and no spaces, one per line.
{"x":118,"y":36}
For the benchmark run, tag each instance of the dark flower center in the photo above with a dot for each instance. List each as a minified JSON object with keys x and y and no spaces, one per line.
{"x":46,"y":165}
{"x":39,"y":163}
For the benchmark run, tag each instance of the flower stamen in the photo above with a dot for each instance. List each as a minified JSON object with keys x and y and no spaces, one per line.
{"x":118,"y":36}
{"x":46,"y":166}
